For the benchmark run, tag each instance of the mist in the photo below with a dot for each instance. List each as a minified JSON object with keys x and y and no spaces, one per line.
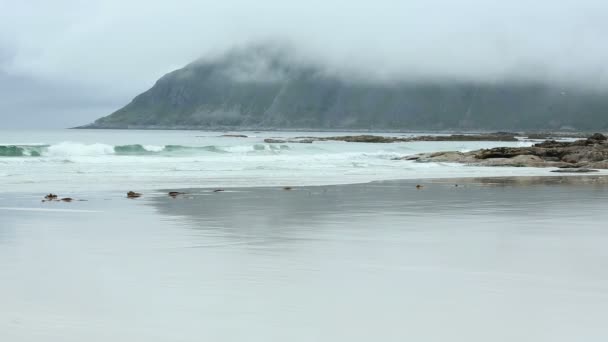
{"x":77,"y":61}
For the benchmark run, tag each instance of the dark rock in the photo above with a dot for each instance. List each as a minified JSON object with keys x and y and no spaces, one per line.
{"x":67,"y":199}
{"x":218,"y":190}
{"x":291,"y":141}
{"x":366,"y":138}
{"x":363,"y":139}
{"x":501,"y":136}
{"x":598,"y":137}
{"x":132,"y":194}
{"x":234,"y":136}
{"x":50,"y":197}
{"x":552,"y":144}
{"x":176,"y":193}
{"x":566,"y":170}
{"x":287,"y":188}
{"x":274,"y":141}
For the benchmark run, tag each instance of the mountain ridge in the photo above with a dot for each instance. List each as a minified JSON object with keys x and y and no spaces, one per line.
{"x":265,"y":88}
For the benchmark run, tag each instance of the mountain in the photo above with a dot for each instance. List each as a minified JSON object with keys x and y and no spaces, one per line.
{"x":263,"y":87}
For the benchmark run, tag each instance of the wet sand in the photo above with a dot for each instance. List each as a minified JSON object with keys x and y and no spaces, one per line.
{"x":492,"y":259}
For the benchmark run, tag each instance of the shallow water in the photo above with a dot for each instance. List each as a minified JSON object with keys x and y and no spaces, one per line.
{"x":85,"y":161}
{"x":486,"y":260}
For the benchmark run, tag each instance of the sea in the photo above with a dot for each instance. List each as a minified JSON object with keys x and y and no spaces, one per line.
{"x":84,"y":161}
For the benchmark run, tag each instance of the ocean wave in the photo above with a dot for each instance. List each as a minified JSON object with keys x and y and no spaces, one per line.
{"x":73,"y":149}
{"x":22,"y":150}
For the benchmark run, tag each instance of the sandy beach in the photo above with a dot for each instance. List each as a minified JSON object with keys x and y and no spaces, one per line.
{"x":498,"y":259}
{"x":301,"y":171}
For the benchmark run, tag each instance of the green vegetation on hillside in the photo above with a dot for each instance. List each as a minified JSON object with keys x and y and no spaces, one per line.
{"x":261,"y":88}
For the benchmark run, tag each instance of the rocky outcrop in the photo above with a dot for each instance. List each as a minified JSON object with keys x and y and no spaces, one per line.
{"x":367,"y":138}
{"x":133,"y":194}
{"x":500,"y":136}
{"x":569,"y":170}
{"x":55,"y":198}
{"x":288,"y":141}
{"x":50,"y":196}
{"x":360,"y":139}
{"x":590,"y":153}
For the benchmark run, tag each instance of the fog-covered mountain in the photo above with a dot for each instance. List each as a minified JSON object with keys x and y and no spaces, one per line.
{"x":263,"y":87}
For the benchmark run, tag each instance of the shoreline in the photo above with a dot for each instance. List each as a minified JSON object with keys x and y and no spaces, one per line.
{"x":573,"y":179}
{"x":554,"y":179}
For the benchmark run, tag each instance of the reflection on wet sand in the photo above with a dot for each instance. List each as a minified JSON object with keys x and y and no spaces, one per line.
{"x":275,"y":211}
{"x":487,"y":260}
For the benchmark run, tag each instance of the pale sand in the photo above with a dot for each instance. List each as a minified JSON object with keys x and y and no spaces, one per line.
{"x":509,"y":259}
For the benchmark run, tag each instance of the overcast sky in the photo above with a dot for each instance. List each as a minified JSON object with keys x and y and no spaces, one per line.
{"x":68,"y":62}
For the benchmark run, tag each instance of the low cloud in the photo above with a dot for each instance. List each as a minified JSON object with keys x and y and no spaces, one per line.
{"x":121,"y":47}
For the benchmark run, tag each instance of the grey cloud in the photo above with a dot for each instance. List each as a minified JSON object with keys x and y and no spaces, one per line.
{"x":28,"y":102}
{"x":120,"y":48}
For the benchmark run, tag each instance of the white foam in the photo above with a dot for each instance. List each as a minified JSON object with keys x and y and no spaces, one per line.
{"x":69,"y":149}
{"x":240,"y":148}
{"x":154,"y":148}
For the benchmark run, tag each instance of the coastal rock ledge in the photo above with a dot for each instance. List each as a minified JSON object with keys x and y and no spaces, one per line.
{"x":590,"y":153}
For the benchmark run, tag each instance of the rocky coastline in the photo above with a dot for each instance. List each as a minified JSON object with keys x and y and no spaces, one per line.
{"x":366,"y":138}
{"x":582,"y":155}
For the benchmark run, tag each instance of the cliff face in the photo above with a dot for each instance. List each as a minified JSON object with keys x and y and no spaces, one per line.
{"x":262,"y":88}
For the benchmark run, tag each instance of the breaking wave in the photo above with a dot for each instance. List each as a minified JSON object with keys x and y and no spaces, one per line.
{"x":68,"y":149}
{"x":22,"y":150}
